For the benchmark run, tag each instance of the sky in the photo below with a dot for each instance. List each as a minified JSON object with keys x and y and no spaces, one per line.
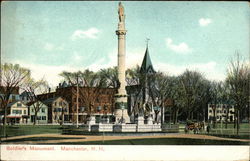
{"x":51,"y":37}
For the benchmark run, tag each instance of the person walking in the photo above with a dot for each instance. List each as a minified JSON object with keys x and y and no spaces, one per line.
{"x":208,"y":128}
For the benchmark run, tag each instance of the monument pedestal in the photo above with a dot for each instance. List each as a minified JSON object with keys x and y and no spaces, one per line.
{"x":150,"y":120}
{"x":121,"y":116}
{"x":140,"y":120}
{"x":90,"y":122}
{"x":102,"y":128}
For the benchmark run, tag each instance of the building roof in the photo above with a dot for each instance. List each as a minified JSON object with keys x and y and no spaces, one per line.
{"x":12,"y":103}
{"x":50,"y":100}
{"x":147,"y":66}
{"x":33,"y":102}
{"x":25,"y":94}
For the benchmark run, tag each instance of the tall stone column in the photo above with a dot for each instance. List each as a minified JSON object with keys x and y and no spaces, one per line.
{"x":121,"y":112}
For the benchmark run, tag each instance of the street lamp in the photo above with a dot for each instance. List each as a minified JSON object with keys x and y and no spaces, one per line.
{"x":77,"y":103}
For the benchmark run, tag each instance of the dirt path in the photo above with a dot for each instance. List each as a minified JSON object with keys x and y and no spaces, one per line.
{"x":83,"y":138}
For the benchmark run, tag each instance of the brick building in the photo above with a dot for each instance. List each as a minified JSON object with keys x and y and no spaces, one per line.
{"x":92,"y":101}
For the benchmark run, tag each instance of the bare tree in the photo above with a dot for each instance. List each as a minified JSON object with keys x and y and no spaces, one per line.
{"x":13,"y":77}
{"x":238,"y":81}
{"x":190,"y":86}
{"x":91,"y":85}
{"x":34,"y":88}
{"x":160,"y":89}
{"x":135,"y":84}
{"x":216,"y":92}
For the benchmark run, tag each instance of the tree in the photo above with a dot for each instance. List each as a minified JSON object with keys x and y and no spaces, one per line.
{"x":190,"y":86}
{"x":216,"y":92}
{"x":238,"y":82}
{"x":13,"y":77}
{"x":160,"y":89}
{"x":135,"y":84}
{"x":178,"y":102}
{"x":33,"y":88}
{"x":110,"y":77}
{"x":90,"y":84}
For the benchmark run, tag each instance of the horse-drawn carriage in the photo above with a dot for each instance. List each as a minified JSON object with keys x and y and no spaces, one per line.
{"x":195,"y":126}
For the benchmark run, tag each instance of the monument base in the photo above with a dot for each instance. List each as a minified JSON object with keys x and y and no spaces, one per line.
{"x":91,"y":120}
{"x":139,"y":120}
{"x":121,"y":116}
{"x":124,"y":128}
{"x":102,"y":128}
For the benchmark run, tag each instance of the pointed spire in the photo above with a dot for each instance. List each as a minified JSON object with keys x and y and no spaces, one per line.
{"x":147,"y":66}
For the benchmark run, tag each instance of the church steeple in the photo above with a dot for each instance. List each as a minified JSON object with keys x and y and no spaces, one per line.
{"x":147,"y":66}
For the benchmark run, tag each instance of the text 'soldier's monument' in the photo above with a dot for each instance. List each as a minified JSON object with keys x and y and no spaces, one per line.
{"x":121,"y":113}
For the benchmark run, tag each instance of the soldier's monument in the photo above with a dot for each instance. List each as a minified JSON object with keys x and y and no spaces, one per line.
{"x":121,"y":113}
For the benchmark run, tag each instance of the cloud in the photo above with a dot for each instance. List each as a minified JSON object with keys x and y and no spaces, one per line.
{"x":90,"y":33}
{"x":204,"y":21}
{"x":181,"y":48}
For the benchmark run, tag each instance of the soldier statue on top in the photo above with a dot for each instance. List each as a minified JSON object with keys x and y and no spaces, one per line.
{"x":121,"y":12}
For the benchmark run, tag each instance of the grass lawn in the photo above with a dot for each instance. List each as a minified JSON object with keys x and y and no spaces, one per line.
{"x":18,"y":130}
{"x":160,"y":141}
{"x":38,"y":139}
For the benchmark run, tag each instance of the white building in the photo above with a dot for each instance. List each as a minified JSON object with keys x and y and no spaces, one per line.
{"x":17,"y":112}
{"x":222,"y":111}
{"x":42,"y":114}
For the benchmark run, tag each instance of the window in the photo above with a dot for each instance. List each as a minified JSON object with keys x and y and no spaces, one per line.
{"x":43,"y":110}
{"x":24,"y":112}
{"x":13,"y":98}
{"x":43,"y":117}
{"x":55,"y":103}
{"x":17,"y":111}
{"x":210,"y":111}
{"x":225,"y":111}
{"x":32,"y":110}
{"x":38,"y":117}
{"x":19,"y":105}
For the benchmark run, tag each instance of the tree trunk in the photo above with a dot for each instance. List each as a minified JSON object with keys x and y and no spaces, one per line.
{"x":214,"y":117}
{"x":176,"y":116}
{"x":5,"y":121}
{"x":227,"y":117}
{"x":235,"y":117}
{"x":238,"y":121}
{"x":161,"y":114}
{"x":188,"y":116}
{"x":35,"y":117}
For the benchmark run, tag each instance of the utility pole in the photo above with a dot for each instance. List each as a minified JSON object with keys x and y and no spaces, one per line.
{"x":77,"y":103}
{"x":0,"y":69}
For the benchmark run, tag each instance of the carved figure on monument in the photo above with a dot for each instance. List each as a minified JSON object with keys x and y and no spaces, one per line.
{"x":121,"y":12}
{"x":141,"y":110}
